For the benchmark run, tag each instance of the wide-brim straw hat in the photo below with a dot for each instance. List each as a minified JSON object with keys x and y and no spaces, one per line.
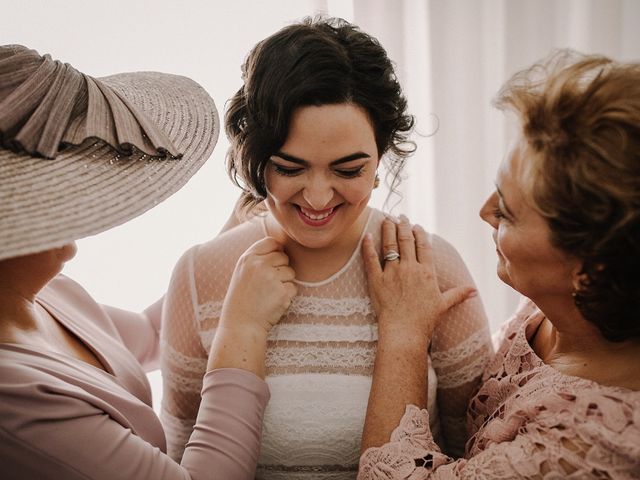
{"x":79,"y":155}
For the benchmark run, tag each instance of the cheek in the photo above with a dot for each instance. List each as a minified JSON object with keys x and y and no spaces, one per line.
{"x":356,"y":191}
{"x":506,"y":242}
{"x":279,"y":189}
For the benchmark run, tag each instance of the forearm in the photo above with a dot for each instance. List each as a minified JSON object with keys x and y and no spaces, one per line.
{"x":399,"y":378}
{"x":241,"y":347}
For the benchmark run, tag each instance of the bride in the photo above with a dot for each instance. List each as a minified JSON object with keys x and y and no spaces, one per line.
{"x":319,"y":108}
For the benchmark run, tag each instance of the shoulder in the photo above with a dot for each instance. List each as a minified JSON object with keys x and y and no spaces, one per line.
{"x":70,"y":299}
{"x":233,"y":242}
{"x":599,"y":416}
{"x":221,"y":253}
{"x":525,"y":310}
{"x":63,"y":292}
{"x":205,"y":270}
{"x":450,"y":268}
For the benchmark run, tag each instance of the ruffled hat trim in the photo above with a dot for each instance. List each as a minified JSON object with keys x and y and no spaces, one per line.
{"x":47,"y":105}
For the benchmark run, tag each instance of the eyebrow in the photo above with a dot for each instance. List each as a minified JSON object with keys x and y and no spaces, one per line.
{"x":506,"y":207}
{"x":300,"y":161}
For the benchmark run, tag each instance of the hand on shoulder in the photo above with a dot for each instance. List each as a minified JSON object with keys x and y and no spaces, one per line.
{"x":404,"y":291}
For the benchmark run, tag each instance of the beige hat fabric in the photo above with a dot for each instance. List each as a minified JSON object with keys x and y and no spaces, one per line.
{"x":79,"y":155}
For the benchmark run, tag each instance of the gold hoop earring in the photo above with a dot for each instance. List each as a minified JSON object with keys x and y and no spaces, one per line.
{"x":376,"y":181}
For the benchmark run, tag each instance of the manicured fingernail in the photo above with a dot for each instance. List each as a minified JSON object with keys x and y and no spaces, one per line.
{"x":404,"y":219}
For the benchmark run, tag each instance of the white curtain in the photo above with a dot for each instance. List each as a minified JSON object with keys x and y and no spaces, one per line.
{"x":452,"y":57}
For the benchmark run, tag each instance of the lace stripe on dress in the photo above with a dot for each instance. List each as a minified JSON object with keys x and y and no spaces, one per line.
{"x":462,"y":375}
{"x":463,"y":350}
{"x":301,"y":305}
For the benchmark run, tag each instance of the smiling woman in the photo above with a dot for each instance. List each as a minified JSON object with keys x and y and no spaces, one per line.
{"x":321,"y":203}
{"x":319,"y":110}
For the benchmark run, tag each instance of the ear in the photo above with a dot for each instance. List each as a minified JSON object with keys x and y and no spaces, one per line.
{"x":578,"y":276}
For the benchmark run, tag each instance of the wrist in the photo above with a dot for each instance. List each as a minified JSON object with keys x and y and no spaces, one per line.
{"x":236,"y":347}
{"x":239,"y":328}
{"x":403,"y":339}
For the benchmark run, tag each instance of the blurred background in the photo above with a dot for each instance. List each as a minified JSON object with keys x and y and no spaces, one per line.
{"x":451,"y":55}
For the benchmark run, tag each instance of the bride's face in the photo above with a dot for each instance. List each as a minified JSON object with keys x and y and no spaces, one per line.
{"x":320,"y":181}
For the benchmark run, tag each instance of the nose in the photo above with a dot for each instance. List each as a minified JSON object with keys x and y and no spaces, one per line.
{"x":318,"y":192}
{"x":486,"y":211}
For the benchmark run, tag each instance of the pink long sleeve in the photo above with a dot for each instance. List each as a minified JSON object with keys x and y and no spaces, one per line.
{"x":62,"y":418}
{"x":52,"y":434}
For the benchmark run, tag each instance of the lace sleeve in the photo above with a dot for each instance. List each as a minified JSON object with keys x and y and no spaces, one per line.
{"x":460,"y":349}
{"x":539,"y":452}
{"x":183,"y":359}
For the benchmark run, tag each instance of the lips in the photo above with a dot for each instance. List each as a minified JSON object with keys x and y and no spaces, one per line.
{"x":316,"y":218}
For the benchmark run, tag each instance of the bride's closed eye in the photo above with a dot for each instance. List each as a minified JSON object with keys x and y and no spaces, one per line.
{"x":350,"y":172}
{"x":287,"y":171}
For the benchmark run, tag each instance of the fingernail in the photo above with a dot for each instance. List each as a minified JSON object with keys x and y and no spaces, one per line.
{"x":403,"y":218}
{"x":391,"y":218}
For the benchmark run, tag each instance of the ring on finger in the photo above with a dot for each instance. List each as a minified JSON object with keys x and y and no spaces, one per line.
{"x":391,"y":256}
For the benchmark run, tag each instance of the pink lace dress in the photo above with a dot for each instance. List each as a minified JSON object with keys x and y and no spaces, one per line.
{"x":319,"y":358}
{"x":528,"y":421}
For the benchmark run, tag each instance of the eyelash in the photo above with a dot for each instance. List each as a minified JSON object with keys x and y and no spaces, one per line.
{"x":292,"y":172}
{"x":287,"y":172}
{"x":497,"y":213}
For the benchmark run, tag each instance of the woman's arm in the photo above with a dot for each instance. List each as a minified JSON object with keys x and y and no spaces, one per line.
{"x":460,"y":348}
{"x":408,"y":303}
{"x":258,"y":293}
{"x":54,"y":433}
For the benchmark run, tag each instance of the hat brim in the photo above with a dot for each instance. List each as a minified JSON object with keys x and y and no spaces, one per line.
{"x":90,"y":188}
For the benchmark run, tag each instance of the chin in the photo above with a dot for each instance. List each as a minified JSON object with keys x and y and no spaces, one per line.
{"x":504,"y":276}
{"x":315,"y":242}
{"x":67,"y":252}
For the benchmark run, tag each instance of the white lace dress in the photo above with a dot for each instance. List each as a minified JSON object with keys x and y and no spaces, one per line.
{"x":319,"y":361}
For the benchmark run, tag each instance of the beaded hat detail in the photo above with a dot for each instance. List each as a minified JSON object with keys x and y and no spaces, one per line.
{"x":79,"y":155}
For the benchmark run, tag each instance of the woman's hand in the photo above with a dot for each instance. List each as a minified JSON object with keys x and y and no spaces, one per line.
{"x":260,"y":291}
{"x":408,"y":303}
{"x":405,"y":292}
{"x":261,"y":288}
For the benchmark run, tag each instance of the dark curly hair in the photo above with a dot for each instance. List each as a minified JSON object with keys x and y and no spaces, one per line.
{"x":581,"y":119}
{"x":319,"y":61}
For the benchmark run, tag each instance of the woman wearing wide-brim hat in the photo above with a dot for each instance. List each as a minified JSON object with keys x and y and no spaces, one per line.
{"x":79,"y":155}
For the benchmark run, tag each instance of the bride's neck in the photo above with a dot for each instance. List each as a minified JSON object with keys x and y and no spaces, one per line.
{"x":316,"y":264}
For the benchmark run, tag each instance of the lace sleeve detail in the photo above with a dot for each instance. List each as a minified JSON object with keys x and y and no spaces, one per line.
{"x":538,"y":453}
{"x":411,"y":446}
{"x":183,"y":359}
{"x":460,"y":349}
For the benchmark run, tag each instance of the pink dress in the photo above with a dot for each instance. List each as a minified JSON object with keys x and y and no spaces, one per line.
{"x":528,"y":421}
{"x":62,"y":418}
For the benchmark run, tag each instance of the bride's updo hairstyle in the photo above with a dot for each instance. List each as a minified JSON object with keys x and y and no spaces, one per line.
{"x":580,"y":117}
{"x":320,"y":61}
